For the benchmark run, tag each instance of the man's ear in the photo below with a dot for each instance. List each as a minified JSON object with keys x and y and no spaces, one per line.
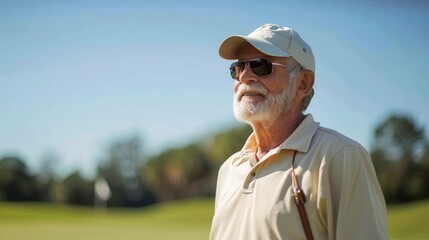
{"x":305,"y":84}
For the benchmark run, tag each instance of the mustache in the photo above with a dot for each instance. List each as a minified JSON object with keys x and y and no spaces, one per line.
{"x":257,"y":88}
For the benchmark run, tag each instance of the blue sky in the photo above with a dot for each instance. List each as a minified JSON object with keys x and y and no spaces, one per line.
{"x":76,"y":75}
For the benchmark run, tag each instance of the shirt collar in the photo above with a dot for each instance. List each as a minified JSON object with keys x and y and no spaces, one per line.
{"x":299,"y":140}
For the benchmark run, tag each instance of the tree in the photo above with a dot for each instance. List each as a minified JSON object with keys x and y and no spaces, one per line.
{"x":78,"y":190}
{"x":398,"y":153}
{"x":179,"y":173}
{"x":121,"y":170}
{"x":191,"y":170}
{"x":47,"y":177}
{"x":16,"y":183}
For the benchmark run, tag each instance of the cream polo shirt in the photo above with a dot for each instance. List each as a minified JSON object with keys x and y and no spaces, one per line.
{"x":254,"y":200}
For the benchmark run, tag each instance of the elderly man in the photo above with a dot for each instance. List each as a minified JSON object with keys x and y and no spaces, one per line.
{"x":293,"y":179}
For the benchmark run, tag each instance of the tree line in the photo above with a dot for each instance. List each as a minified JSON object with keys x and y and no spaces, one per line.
{"x":129,"y":178}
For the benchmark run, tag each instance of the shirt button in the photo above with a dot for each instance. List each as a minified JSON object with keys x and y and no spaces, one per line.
{"x":253,"y":174}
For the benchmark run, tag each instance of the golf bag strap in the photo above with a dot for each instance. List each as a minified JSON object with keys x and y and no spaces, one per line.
{"x":300,"y":199}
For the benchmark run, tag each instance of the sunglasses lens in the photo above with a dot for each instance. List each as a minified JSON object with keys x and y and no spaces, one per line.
{"x":261,"y":67}
{"x":233,"y":70}
{"x":236,"y":68}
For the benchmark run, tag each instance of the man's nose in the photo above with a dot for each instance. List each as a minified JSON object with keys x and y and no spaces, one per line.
{"x":247,"y":75}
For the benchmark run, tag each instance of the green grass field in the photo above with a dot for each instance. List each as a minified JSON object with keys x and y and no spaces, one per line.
{"x":176,"y":220}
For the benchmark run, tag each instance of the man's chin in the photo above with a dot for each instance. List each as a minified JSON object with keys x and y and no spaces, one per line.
{"x":250,"y":116}
{"x":248,"y":112}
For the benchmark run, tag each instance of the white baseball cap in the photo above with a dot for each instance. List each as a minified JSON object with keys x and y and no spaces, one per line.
{"x":273,"y":40}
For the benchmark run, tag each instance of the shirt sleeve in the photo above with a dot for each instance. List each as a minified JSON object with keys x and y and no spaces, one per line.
{"x":350,"y":198}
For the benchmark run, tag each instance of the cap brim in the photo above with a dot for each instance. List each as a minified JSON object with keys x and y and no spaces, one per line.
{"x":230,"y":47}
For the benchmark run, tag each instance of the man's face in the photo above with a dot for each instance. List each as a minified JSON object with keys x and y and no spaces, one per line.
{"x":262,"y":99}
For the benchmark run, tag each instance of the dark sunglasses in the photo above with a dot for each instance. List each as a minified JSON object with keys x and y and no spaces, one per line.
{"x":260,"y":67}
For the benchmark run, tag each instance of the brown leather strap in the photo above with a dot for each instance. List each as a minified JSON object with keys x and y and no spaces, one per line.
{"x":300,"y":199}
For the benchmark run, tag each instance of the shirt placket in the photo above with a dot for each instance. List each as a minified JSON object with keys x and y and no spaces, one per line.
{"x":250,"y":181}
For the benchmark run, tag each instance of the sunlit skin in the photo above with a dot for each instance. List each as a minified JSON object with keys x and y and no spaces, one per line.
{"x":269,"y":135}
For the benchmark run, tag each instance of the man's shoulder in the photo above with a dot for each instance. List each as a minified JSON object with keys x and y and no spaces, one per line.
{"x":336,"y":149}
{"x":330,"y":137}
{"x":229,"y":161}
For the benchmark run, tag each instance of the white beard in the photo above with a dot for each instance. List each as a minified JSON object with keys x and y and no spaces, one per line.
{"x":267,"y":110}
